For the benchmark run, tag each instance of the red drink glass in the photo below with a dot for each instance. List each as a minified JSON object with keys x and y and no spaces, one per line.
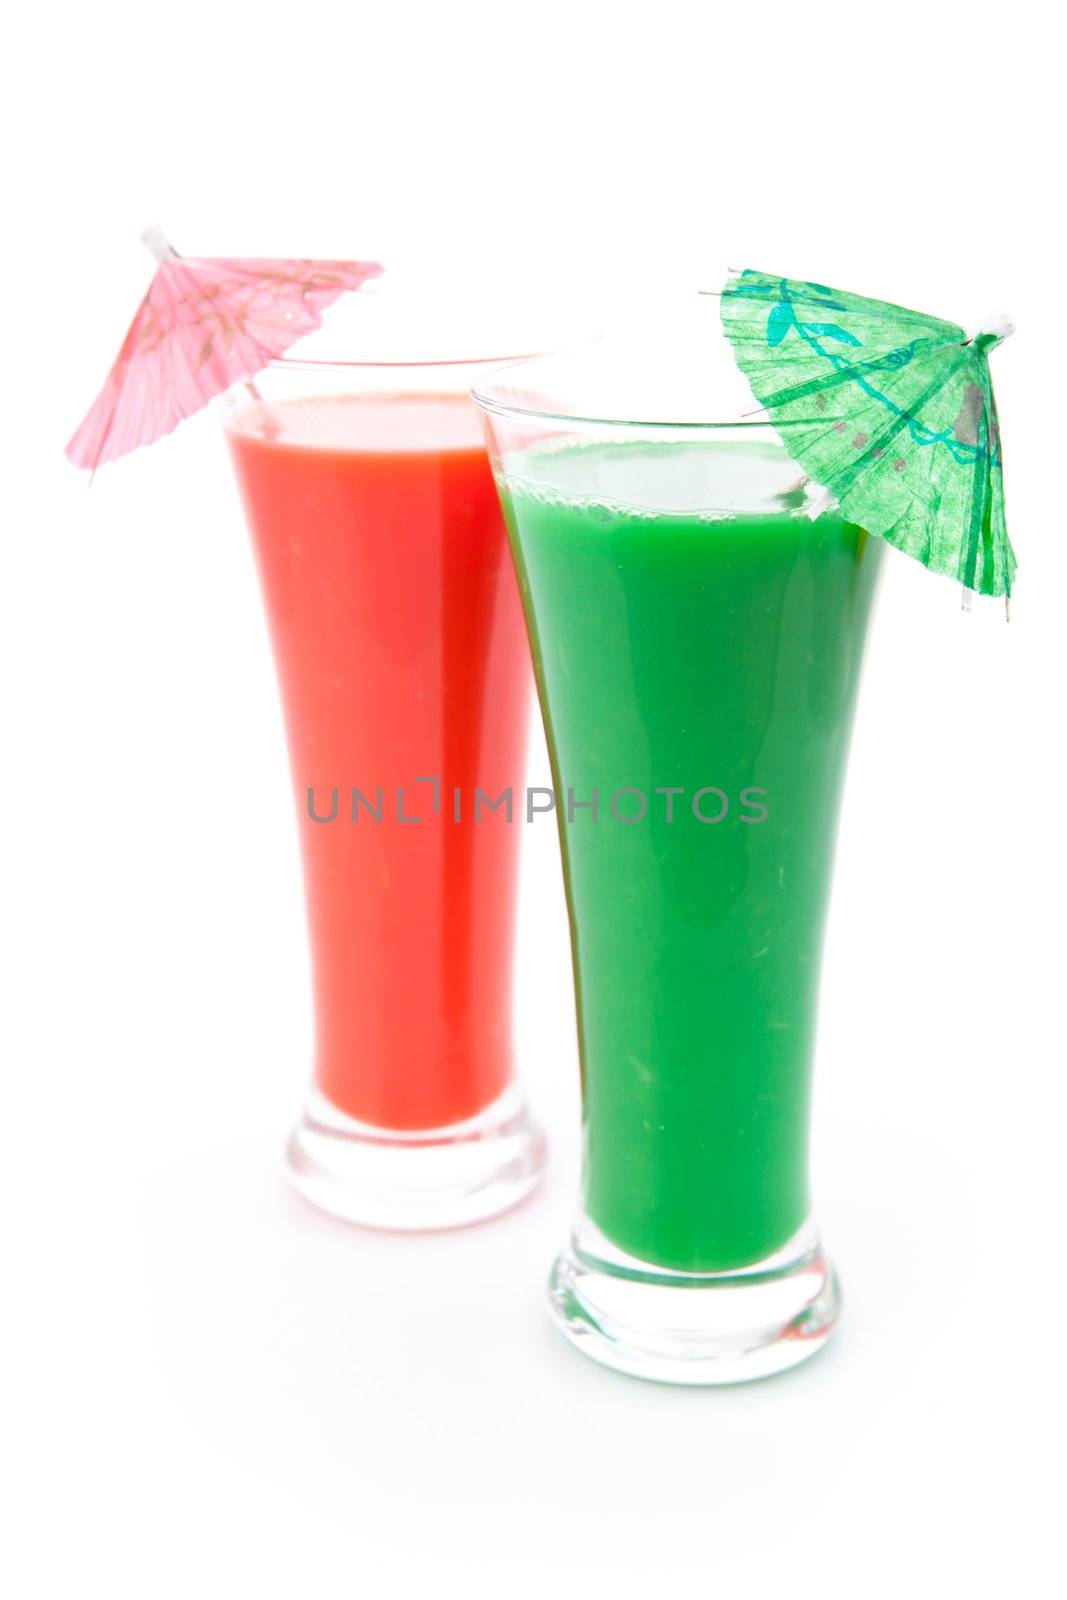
{"x":404,"y":674}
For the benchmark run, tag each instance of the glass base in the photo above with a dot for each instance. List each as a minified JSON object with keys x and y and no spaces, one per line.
{"x":694,"y":1328}
{"x":416,"y":1181}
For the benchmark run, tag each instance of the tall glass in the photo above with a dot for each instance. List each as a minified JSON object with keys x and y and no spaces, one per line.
{"x":404,"y":673}
{"x":697,"y":632}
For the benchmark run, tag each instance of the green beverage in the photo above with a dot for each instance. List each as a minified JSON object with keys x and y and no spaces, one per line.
{"x":697,"y":669}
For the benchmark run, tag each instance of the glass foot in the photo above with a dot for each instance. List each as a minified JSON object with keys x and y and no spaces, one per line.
{"x":694,"y":1328}
{"x":440,"y":1178}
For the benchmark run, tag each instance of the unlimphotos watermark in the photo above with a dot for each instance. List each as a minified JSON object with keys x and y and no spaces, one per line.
{"x":405,"y":804}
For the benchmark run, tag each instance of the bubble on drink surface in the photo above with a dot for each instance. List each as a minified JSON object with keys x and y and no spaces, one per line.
{"x":377,"y":421}
{"x":703,"y":476}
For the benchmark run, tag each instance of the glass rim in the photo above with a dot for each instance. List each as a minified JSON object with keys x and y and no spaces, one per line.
{"x":482,"y":394}
{"x":288,"y":363}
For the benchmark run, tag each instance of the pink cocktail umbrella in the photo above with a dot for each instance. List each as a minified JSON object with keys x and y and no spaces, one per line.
{"x":203,"y":325}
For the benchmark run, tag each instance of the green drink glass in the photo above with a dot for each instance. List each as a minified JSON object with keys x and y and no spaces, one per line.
{"x":698,"y":626}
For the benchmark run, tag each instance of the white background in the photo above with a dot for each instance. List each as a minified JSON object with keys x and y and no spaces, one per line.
{"x":209,"y":1389}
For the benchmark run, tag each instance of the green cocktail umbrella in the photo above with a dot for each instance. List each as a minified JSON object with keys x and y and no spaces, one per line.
{"x":890,"y":411}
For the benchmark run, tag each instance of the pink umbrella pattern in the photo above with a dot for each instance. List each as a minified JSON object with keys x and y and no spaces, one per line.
{"x":204,"y":325}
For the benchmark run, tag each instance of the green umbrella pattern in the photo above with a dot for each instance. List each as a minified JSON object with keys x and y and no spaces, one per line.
{"x":888,"y":410}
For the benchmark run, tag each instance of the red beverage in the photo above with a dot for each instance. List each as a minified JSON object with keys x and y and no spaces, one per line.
{"x":401,"y":655}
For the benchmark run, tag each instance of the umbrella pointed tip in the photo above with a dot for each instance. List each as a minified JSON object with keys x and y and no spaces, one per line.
{"x":156,"y":241}
{"x":994,"y":328}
